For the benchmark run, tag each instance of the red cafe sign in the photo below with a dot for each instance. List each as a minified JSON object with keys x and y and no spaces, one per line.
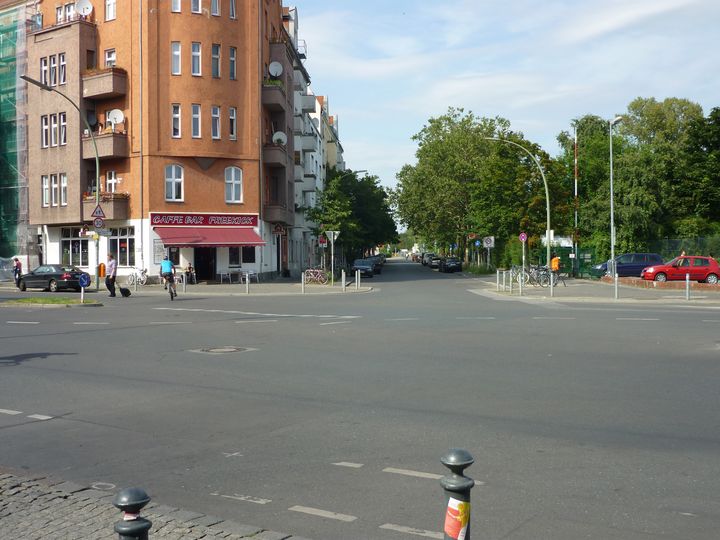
{"x":166,"y":219}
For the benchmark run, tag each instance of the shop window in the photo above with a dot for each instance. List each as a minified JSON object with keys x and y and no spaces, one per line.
{"x":121,"y":243}
{"x":74,"y":247}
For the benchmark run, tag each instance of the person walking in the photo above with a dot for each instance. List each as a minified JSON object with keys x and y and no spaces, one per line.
{"x":17,"y":271}
{"x":111,"y":274}
{"x":167,"y":270}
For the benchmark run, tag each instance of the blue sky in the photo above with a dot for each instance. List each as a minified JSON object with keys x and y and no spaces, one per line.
{"x":388,"y":66}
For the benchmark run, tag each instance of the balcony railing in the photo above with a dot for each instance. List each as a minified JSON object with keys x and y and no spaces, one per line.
{"x":106,"y":83}
{"x":273,"y":95}
{"x":110,"y":145}
{"x":275,"y":155}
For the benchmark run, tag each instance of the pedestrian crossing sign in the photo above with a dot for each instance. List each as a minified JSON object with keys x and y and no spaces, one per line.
{"x":98,"y":212}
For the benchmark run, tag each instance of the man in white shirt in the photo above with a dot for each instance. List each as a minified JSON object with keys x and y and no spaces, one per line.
{"x":110,"y":274}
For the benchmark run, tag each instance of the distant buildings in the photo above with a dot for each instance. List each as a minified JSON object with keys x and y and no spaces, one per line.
{"x":209,"y":141}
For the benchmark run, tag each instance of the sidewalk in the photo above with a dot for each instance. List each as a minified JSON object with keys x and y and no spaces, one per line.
{"x":39,"y":507}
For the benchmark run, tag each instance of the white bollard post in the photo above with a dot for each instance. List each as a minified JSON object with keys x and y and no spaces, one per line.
{"x":687,"y":286}
{"x":497,"y":280}
{"x":343,"y":280}
{"x":504,"y":281}
{"x":184,"y":278}
{"x":302,"y":282}
{"x":247,"y":283}
{"x":520,"y":282}
{"x":357,"y":280}
{"x":511,"y":282}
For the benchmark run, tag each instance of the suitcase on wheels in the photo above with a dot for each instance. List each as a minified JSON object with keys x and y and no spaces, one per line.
{"x":125,"y":292}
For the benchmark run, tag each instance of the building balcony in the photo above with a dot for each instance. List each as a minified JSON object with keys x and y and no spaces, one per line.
{"x":275,"y":155}
{"x":305,"y":104}
{"x":104,"y":84}
{"x":110,"y":145}
{"x":114,"y":205}
{"x":273,"y":96}
{"x":275,"y":213}
{"x":308,"y":143}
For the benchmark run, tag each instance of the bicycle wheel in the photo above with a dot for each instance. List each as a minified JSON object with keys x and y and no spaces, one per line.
{"x":142,"y":280}
{"x":131,"y":279}
{"x":544,"y":279}
{"x":322,"y":278}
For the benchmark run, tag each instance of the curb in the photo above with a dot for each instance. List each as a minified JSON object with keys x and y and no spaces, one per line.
{"x":48,"y":306}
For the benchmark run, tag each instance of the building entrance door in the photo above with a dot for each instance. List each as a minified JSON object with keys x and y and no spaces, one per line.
{"x":205,"y":263}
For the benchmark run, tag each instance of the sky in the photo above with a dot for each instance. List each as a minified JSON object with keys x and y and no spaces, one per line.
{"x":388,"y":66}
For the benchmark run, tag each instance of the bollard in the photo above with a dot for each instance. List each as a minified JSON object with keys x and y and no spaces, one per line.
{"x":497,"y":280}
{"x":302,"y":282}
{"x":184,"y":280}
{"x":457,"y":488}
{"x":503,"y":281}
{"x":132,"y":527}
{"x":357,"y":280}
{"x":247,"y":284}
{"x":687,"y":286}
{"x":511,"y":282}
{"x":343,"y":280}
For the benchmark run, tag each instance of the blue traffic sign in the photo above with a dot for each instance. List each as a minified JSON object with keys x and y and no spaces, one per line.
{"x":477,"y":242}
{"x":84,"y":280}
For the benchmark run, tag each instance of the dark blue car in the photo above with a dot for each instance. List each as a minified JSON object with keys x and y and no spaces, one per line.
{"x":629,"y":264}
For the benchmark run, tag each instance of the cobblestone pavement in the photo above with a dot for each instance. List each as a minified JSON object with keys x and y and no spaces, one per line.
{"x":39,"y":507}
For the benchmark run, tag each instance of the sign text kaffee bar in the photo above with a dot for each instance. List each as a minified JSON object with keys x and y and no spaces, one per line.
{"x":203,"y":220}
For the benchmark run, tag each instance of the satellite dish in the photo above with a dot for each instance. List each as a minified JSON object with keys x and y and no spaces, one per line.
{"x":115,"y":116}
{"x":83,"y":7}
{"x":275,"y":69}
{"x":91,"y":118}
{"x":279,"y":138}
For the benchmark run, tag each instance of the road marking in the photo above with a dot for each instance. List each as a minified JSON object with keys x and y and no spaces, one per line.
{"x":39,"y":417}
{"x":322,"y":513}
{"x":8,"y":411}
{"x":411,"y":530}
{"x":334,"y":322}
{"x":170,"y":322}
{"x":417,"y":474}
{"x":475,"y":318}
{"x":91,"y":323}
{"x":255,"y":313}
{"x":22,"y":322}
{"x":246,"y":498}
{"x":711,"y":320}
{"x":555,"y":318}
{"x":634,"y":319}
{"x":348,"y":464}
{"x":256,"y":320}
{"x":233,"y":454}
{"x":404,"y":319}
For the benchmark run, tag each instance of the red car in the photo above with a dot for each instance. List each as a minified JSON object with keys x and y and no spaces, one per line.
{"x":700,"y":269}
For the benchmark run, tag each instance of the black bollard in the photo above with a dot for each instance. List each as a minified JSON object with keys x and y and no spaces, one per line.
{"x":457,"y":488}
{"x":132,"y":527}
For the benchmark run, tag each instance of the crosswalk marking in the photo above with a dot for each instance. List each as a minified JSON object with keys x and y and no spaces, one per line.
{"x":348,"y":464}
{"x":411,"y":530}
{"x":417,"y":474}
{"x":8,"y":411}
{"x":322,"y":513}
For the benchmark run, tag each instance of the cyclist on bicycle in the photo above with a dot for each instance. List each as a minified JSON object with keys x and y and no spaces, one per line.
{"x":167,"y":270}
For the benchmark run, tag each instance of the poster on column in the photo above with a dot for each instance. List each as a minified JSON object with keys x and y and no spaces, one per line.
{"x":457,"y":519}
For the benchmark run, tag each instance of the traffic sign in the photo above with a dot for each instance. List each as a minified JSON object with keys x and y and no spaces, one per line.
{"x":477,"y":242}
{"x":98,"y":223}
{"x":322,"y":241}
{"x":103,"y":232}
{"x":98,"y":212}
{"x":523,"y":237}
{"x":489,"y":241}
{"x":472,"y":236}
{"x":84,"y":280}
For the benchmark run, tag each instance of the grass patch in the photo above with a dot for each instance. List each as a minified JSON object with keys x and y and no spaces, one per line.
{"x":56,"y":300}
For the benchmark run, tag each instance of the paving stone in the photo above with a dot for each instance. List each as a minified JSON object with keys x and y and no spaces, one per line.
{"x":237,"y":528}
{"x":184,"y":515}
{"x":207,"y":521}
{"x":269,"y":535}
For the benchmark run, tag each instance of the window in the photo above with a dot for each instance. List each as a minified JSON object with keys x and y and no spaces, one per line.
{"x":216,"y":60}
{"x":196,"y":6}
{"x":62,"y":69}
{"x":59,"y":14}
{"x":176,"y":133}
{"x":175,"y":6}
{"x":53,"y":71}
{"x":232,"y":122}
{"x":90,"y":62}
{"x":63,"y":189}
{"x":45,"y":182}
{"x":195,"y":121}
{"x":700,"y":262}
{"x":233,"y":11}
{"x":44,"y":70}
{"x":215,"y":123}
{"x":233,"y":185}
{"x":44,"y":131}
{"x":63,"y":128}
{"x":174,"y":183}
{"x":239,"y":255}
{"x":175,"y":58}
{"x":53,"y":130}
{"x":109,"y":10}
{"x":70,"y":11}
{"x":74,"y":246}
{"x":233,"y":63}
{"x":53,"y":190}
{"x":122,"y":243}
{"x":110,"y":58}
{"x":196,"y":64}
{"x":111,"y":181}
{"x":234,"y":258}
{"x":215,"y":7}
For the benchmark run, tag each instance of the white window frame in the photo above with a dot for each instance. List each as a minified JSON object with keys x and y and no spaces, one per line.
{"x":233,"y":9}
{"x":174,"y":179}
{"x":196,"y":6}
{"x":53,"y":71}
{"x":53,"y":190}
{"x":196,"y":124}
{"x":110,"y":10}
{"x":176,"y":6}
{"x":62,"y":69}
{"x":175,"y":58}
{"x":44,"y":70}
{"x":70,"y":11}
{"x":45,"y":186}
{"x":62,"y":128}
{"x":232,"y":55}
{"x":59,"y":14}
{"x":176,"y":121}
{"x":63,"y":189}
{"x":233,"y":185}
{"x":44,"y":131}
{"x":196,"y":59}
{"x":53,"y":130}
{"x":232,"y":123}
{"x":215,"y":8}
{"x":110,"y":58}
{"x":215,"y":121}
{"x":111,"y":181}
{"x":215,"y":60}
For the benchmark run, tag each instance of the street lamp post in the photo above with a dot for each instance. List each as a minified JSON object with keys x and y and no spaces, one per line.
{"x":611,"y":123}
{"x":547,"y":197}
{"x":47,"y":88}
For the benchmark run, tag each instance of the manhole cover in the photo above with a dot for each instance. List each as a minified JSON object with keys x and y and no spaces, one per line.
{"x":222,"y":350}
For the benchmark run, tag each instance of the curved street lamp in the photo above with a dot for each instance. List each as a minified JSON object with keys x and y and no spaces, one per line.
{"x":47,"y":88}
{"x":547,"y":195}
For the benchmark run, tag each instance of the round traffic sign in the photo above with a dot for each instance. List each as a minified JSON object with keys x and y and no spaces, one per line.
{"x":84,"y":280}
{"x":98,"y":223}
{"x":523,"y":237}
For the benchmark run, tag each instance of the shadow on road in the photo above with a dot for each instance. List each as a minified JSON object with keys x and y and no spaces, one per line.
{"x":17,"y":359}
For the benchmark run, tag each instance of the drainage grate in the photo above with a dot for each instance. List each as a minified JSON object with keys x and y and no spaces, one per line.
{"x":222,"y":350}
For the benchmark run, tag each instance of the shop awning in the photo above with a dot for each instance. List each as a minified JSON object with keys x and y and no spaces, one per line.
{"x":208,"y":236}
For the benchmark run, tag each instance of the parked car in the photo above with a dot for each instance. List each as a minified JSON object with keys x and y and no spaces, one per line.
{"x":52,"y":277}
{"x":703,"y":269}
{"x":450,"y":264}
{"x":366,"y":267}
{"x":629,"y":264}
{"x":434,"y":261}
{"x":377,"y":263}
{"x":426,"y":258}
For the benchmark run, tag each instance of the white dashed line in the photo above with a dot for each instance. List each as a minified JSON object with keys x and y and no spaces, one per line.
{"x":634,"y":319}
{"x":555,"y":318}
{"x":348,"y":464}
{"x":247,"y":498}
{"x":475,"y":318}
{"x":22,"y":322}
{"x":256,"y":321}
{"x":39,"y":417}
{"x":334,"y":322}
{"x":711,"y":320}
{"x":322,"y":513}
{"x":170,"y":322}
{"x":8,"y":411}
{"x":91,"y":323}
{"x":416,"y":474}
{"x":411,"y":530}
{"x":404,"y":319}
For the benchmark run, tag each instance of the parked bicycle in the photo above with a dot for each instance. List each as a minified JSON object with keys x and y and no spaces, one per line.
{"x":139,"y":275}
{"x":316,"y":275}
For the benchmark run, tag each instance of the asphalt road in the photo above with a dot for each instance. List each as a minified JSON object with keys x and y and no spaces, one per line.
{"x":326,"y":416}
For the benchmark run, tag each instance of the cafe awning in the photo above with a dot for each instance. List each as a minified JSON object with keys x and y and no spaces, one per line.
{"x":208,"y":236}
